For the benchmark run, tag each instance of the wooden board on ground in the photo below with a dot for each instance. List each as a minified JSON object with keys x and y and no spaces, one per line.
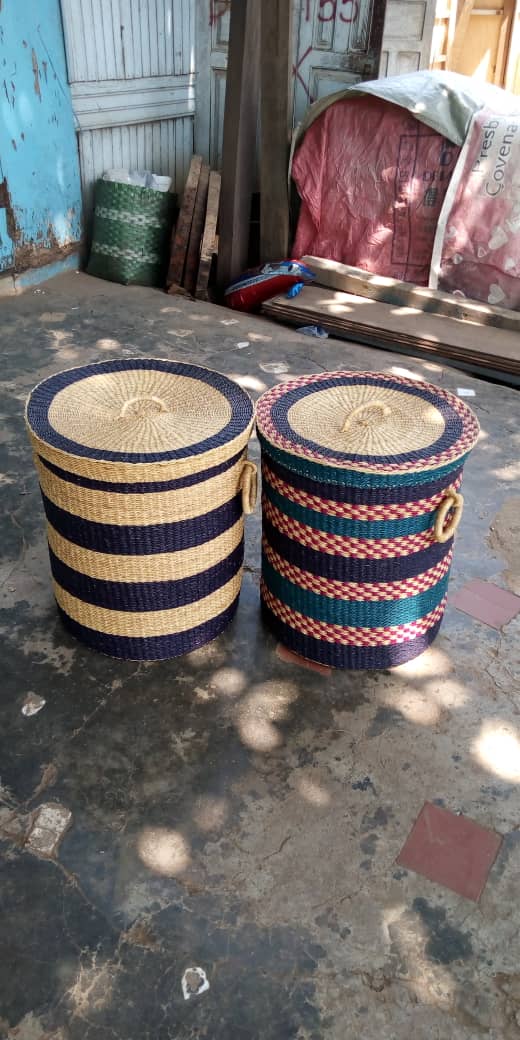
{"x":181,"y":234}
{"x":209,"y":239}
{"x":239,"y":145}
{"x":334,"y":275}
{"x":275,"y":63}
{"x":378,"y":324}
{"x":197,"y":228}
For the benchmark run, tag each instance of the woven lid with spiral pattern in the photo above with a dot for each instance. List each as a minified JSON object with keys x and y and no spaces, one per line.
{"x":137,"y":415}
{"x":367,"y":421}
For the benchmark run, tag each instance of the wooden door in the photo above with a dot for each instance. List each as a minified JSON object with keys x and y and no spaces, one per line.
{"x":407,"y":36}
{"x":334,"y":43}
{"x":132,"y":76}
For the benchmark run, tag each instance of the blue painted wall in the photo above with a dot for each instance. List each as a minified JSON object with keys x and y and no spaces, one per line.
{"x":40,"y":196}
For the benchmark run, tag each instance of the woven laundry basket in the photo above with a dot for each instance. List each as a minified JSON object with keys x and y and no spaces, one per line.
{"x":360,"y":475}
{"x":131,"y":233}
{"x":145,"y":480}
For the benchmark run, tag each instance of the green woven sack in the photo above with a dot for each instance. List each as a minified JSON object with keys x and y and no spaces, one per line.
{"x":131,"y":233}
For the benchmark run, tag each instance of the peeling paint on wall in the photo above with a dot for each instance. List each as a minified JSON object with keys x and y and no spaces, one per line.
{"x":40,"y":194}
{"x":36,"y":73}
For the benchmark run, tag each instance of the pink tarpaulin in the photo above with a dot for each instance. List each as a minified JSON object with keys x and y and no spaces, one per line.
{"x":477,"y":249}
{"x":372,"y":180}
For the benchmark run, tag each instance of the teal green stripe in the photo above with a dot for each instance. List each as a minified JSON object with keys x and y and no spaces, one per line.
{"x":349,"y":528}
{"x":337,"y":475}
{"x":348,"y":612}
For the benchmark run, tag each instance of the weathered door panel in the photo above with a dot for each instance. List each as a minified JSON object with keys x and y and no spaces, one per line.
{"x":212,"y":59}
{"x":407,"y":37}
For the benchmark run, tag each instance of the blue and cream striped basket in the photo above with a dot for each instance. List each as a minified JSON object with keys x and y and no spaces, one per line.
{"x":361,"y":474}
{"x":145,"y":481}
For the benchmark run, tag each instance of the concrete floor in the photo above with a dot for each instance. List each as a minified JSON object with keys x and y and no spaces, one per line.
{"x":231,"y":810}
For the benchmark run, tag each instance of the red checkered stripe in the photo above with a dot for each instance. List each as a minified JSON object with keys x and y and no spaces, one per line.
{"x":347,"y":635}
{"x":369,"y":592}
{"x":273,"y":435}
{"x":337,"y":545}
{"x":393,"y":511}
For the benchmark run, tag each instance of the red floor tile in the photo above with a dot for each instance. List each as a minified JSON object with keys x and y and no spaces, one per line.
{"x":486,"y":602}
{"x":290,"y":658}
{"x":451,"y":850}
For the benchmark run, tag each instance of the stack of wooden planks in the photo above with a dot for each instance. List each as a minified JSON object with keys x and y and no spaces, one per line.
{"x":194,"y":241}
{"x":416,"y":321}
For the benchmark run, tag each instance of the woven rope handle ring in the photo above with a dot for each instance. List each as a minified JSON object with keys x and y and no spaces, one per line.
{"x":143,"y":405}
{"x":249,"y":485}
{"x":451,"y":501}
{"x":373,"y":406}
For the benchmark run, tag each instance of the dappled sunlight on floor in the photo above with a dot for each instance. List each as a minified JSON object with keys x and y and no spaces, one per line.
{"x":229,"y":682}
{"x":313,"y":792}
{"x":164,"y":851}
{"x":405,"y":373}
{"x":108,"y":344}
{"x":497,"y":749}
{"x":261,"y":708}
{"x":248,"y":382}
{"x":431,"y":688}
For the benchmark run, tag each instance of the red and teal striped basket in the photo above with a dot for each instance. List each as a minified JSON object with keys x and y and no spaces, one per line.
{"x":361,"y":476}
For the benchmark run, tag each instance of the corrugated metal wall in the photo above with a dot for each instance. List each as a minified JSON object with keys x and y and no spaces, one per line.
{"x":131,"y":68}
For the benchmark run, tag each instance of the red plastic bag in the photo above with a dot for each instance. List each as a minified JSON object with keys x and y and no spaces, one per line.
{"x":254,"y":287}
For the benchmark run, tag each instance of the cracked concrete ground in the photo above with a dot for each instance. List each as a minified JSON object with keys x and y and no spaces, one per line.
{"x":232,"y":812}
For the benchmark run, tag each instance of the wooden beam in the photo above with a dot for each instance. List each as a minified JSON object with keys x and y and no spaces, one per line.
{"x":334,"y":275}
{"x":197,"y":229}
{"x":461,"y":28}
{"x":275,"y":62}
{"x":504,"y":39}
{"x":209,"y":239}
{"x":181,"y":233}
{"x":240,"y":135}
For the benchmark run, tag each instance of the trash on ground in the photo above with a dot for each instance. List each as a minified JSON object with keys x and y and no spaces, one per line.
{"x":32,"y":704}
{"x":313,"y":330}
{"x":194,"y":982}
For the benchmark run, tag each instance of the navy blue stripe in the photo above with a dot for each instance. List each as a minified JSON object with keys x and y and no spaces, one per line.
{"x":44,"y":394}
{"x":151,"y":648}
{"x":144,"y":488}
{"x":353,"y":657}
{"x":146,"y":540}
{"x":451,"y":433}
{"x":146,"y":595}
{"x":362,"y":496}
{"x":351,"y":568}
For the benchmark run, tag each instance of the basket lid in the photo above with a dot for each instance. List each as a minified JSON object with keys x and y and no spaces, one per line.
{"x":367,"y":421}
{"x":138,"y":411}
